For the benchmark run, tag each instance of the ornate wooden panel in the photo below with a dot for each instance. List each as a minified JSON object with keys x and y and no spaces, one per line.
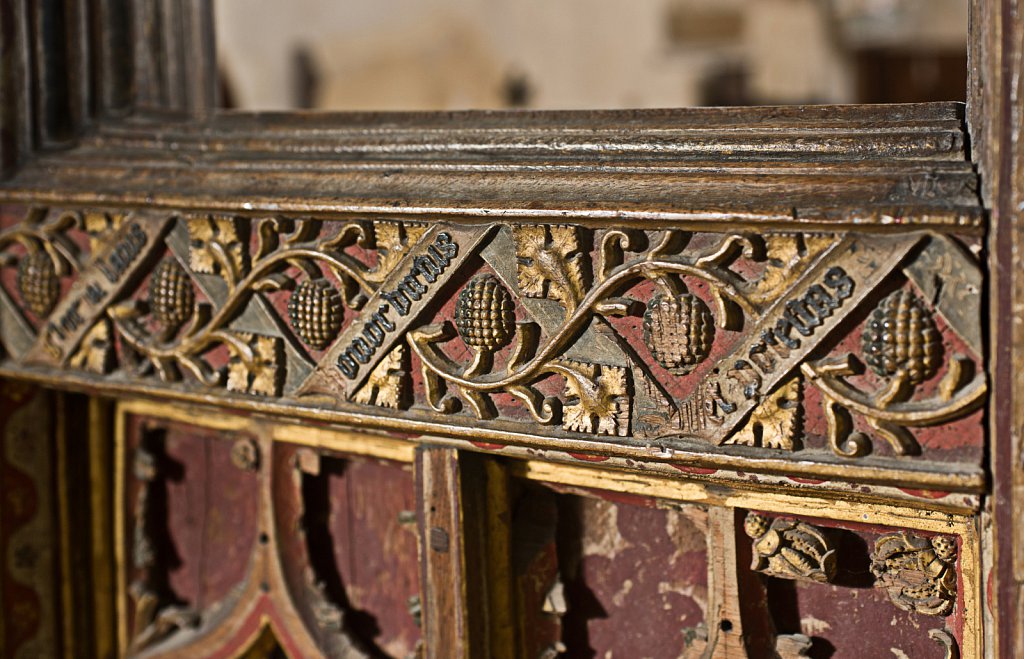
{"x":691,"y":321}
{"x":232,"y":537}
{"x":704,"y":383}
{"x":236,"y":535}
{"x":830,"y":351}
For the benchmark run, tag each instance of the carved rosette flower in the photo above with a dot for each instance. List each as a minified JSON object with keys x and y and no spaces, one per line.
{"x":316,"y":313}
{"x":245,"y":455}
{"x":38,"y":283}
{"x":171,"y":297}
{"x":900,"y":337}
{"x":485,"y":313}
{"x":679,"y":331}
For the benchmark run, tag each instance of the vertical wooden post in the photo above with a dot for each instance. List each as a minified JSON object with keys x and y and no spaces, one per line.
{"x":445,"y":592}
{"x":82,"y":440}
{"x":101,"y":504}
{"x":738,"y":621}
{"x":175,"y":58}
{"x":15,"y":80}
{"x":502,"y":623}
{"x":111,"y":26}
{"x":996,"y":121}
{"x":463,"y":513}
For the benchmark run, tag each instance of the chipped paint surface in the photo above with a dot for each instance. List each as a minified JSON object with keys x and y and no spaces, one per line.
{"x":639,"y":563}
{"x":601,"y":537}
{"x":811,"y":626}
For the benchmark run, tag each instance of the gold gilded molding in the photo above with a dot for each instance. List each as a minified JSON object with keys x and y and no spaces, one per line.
{"x":775,"y":423}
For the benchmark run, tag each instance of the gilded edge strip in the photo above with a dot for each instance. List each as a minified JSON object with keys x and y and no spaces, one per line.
{"x":121,"y":576}
{"x":60,"y":447}
{"x":972,"y":481}
{"x":102,"y":503}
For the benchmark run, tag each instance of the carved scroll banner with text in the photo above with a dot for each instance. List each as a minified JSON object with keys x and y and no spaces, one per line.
{"x":115,"y":267}
{"x":789,"y":331}
{"x":401,"y":298}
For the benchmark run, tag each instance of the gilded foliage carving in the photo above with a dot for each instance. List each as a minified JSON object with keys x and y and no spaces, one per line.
{"x":255,"y":364}
{"x":664,"y":335}
{"x":217,"y":246}
{"x":550,"y":264}
{"x":596,"y":398}
{"x":918,"y":573}
{"x":388,"y":382}
{"x":789,"y":549}
{"x":775,"y":423}
{"x":393,"y":240}
{"x":96,"y":353}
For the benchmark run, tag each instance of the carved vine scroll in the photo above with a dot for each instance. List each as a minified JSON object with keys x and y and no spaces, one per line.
{"x":774,"y":342}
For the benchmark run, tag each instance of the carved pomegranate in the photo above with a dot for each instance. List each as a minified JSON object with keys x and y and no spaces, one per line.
{"x":171,"y":297}
{"x":679,"y":330}
{"x":316,"y":313}
{"x":38,"y":283}
{"x":485,"y":313}
{"x":900,"y":336}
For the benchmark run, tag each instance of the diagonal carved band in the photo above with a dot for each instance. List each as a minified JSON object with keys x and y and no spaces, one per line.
{"x":113,"y":269}
{"x":789,"y":331}
{"x":406,"y":291}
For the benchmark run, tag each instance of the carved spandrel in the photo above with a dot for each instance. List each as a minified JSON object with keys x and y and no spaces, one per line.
{"x":158,"y":612}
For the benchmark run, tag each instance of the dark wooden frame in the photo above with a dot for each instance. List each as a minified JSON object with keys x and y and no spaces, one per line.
{"x":73,"y":107}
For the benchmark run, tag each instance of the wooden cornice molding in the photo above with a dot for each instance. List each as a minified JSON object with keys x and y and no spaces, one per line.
{"x":871,"y":167}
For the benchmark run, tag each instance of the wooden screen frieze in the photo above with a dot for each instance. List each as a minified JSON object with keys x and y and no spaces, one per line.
{"x":712,"y":318}
{"x":775,"y":343}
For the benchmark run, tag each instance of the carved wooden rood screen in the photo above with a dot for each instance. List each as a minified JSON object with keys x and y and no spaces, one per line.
{"x":701,"y":383}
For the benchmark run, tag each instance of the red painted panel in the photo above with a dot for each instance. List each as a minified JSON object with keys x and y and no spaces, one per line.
{"x":203,"y":510}
{"x":635,"y":576}
{"x":374,"y":548}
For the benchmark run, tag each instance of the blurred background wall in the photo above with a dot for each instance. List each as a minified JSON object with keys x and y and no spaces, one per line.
{"x":573,"y":54}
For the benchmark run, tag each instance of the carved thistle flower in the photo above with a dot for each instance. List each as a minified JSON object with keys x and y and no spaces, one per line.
{"x":485,"y":313}
{"x":315,"y":311}
{"x":171,"y":297}
{"x":900,"y":337}
{"x":38,"y":283}
{"x":679,"y":331}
